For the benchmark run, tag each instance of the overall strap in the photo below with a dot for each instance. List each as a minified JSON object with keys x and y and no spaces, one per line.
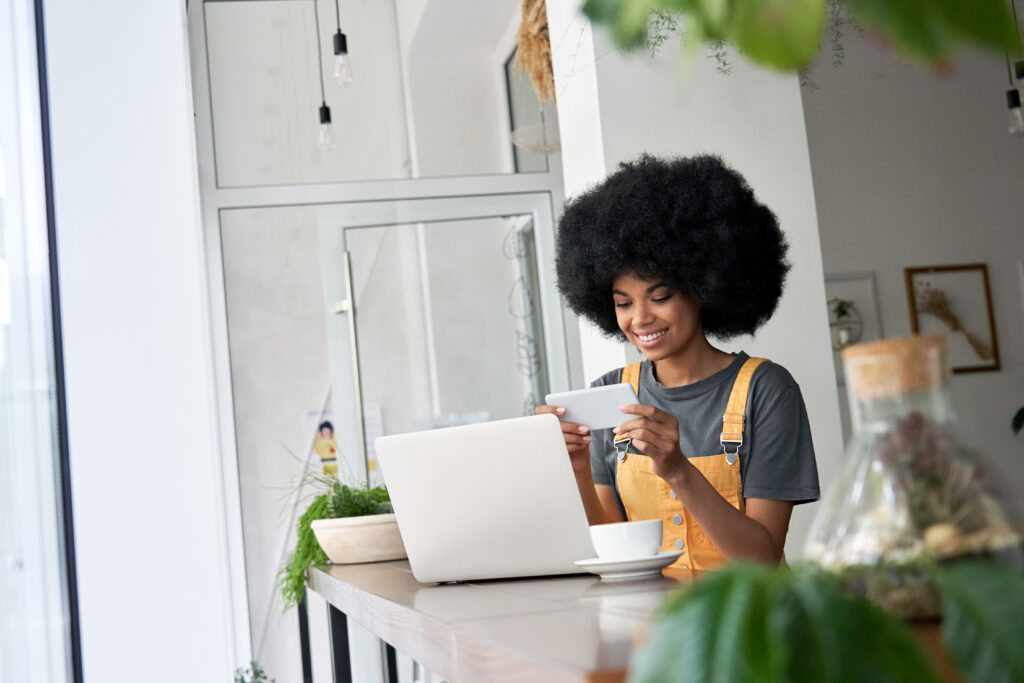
{"x":631,"y":376}
{"x":735,"y":413}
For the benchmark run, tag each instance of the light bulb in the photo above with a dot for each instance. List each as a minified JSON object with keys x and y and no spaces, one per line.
{"x":326,"y":138}
{"x":1016,"y":122}
{"x":1016,"y":126}
{"x":343,"y":70}
{"x":342,"y":64}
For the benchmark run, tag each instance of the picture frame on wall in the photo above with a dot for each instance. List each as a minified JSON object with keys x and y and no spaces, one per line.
{"x":956,"y":300}
{"x":854,"y":312}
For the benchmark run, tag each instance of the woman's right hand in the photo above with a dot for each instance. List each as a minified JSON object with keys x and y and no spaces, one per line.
{"x":576,"y":436}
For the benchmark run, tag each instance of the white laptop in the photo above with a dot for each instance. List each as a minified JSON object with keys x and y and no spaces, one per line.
{"x":486,"y":501}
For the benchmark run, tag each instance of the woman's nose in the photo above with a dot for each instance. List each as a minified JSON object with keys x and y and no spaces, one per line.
{"x":642,"y":313}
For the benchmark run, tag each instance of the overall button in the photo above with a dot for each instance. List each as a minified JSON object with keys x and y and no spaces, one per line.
{"x":677,"y":519}
{"x":672,"y":494}
{"x":679,"y":544}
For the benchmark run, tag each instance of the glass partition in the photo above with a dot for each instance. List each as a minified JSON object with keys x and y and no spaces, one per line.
{"x":375,"y":317}
{"x":438,"y":101}
{"x":455,"y":338}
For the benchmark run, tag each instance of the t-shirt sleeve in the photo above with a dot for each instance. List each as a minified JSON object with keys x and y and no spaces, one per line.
{"x":602,"y":457}
{"x":780,"y":459}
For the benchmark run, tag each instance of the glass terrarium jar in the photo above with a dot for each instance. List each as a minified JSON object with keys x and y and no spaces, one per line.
{"x":908,"y":494}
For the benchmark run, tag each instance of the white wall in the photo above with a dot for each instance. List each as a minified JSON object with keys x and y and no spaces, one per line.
{"x":754,"y":120}
{"x":151,"y":553}
{"x":915,"y":168}
{"x":456,"y":97}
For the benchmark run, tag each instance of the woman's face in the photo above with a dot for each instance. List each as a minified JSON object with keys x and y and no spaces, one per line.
{"x":658,"y":320}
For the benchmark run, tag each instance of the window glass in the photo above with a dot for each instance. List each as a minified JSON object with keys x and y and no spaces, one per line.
{"x":428,"y":98}
{"x":32,"y":617}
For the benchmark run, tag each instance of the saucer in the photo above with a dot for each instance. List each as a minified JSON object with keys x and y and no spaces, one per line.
{"x":618,"y":570}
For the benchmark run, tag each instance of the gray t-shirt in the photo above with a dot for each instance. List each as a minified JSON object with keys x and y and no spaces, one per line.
{"x":777,"y":456}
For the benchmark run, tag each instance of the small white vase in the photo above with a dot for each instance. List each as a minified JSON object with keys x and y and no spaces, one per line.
{"x":350,"y":540}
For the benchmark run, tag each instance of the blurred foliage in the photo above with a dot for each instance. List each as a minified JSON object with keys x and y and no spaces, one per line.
{"x":750,"y":623}
{"x":787,"y":34}
{"x":983,"y":611}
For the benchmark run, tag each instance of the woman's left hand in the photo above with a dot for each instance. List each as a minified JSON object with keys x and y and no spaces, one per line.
{"x":656,"y":433}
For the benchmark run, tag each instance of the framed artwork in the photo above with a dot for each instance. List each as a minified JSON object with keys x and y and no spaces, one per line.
{"x":854,"y":312}
{"x":956,"y":300}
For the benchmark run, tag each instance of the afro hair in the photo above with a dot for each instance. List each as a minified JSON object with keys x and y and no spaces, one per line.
{"x":692,"y":223}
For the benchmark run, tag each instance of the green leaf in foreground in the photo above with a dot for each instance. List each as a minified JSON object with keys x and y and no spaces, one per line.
{"x":1018,"y":421}
{"x":748,"y":623}
{"x":934,"y":29}
{"x":716,"y":630}
{"x":835,"y":636}
{"x":783,"y":34}
{"x":983,"y":617}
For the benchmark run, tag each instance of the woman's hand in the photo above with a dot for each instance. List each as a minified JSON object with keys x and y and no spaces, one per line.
{"x":656,"y":434}
{"x":576,"y":436}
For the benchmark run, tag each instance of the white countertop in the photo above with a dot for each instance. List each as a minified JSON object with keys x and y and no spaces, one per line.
{"x":569,"y":628}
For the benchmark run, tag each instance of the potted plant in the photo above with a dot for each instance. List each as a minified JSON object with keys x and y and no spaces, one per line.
{"x":253,"y":673}
{"x":360,"y":526}
{"x":342,"y":525}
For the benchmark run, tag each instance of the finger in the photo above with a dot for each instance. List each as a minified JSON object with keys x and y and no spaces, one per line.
{"x":650,"y":412}
{"x":651,"y":448}
{"x":642,"y":446}
{"x":644,"y":423}
{"x":630,"y":425}
{"x":575,"y":448}
{"x":576,"y":438}
{"x":574,"y":428}
{"x":649,"y":436}
{"x":546,"y":409}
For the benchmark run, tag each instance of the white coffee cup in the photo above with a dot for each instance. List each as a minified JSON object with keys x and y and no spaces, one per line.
{"x":627,"y":540}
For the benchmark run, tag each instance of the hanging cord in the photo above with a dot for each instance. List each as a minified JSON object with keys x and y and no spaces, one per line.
{"x":337,"y":14}
{"x":1016,"y":31}
{"x":319,"y":59}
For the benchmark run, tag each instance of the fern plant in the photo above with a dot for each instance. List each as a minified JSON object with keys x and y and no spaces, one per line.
{"x":339,"y":500}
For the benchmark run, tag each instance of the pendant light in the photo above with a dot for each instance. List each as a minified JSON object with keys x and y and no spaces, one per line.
{"x":326,"y":136}
{"x":342,"y":64}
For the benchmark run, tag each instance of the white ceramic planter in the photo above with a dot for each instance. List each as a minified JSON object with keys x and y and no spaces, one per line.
{"x":349,"y":540}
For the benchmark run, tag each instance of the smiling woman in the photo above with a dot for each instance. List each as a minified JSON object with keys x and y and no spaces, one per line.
{"x":663,"y":254}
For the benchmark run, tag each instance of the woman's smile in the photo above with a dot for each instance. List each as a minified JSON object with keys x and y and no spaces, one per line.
{"x":651,"y":338}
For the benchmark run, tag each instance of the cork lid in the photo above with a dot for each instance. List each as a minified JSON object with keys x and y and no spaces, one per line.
{"x":896,"y":366}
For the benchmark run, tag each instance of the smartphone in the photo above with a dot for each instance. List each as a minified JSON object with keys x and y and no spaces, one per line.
{"x":596,"y":407}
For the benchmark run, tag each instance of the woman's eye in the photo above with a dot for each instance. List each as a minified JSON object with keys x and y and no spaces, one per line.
{"x":663,"y":299}
{"x":621,"y":304}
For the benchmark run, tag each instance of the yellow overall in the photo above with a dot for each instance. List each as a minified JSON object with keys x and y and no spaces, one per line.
{"x":645,"y":495}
